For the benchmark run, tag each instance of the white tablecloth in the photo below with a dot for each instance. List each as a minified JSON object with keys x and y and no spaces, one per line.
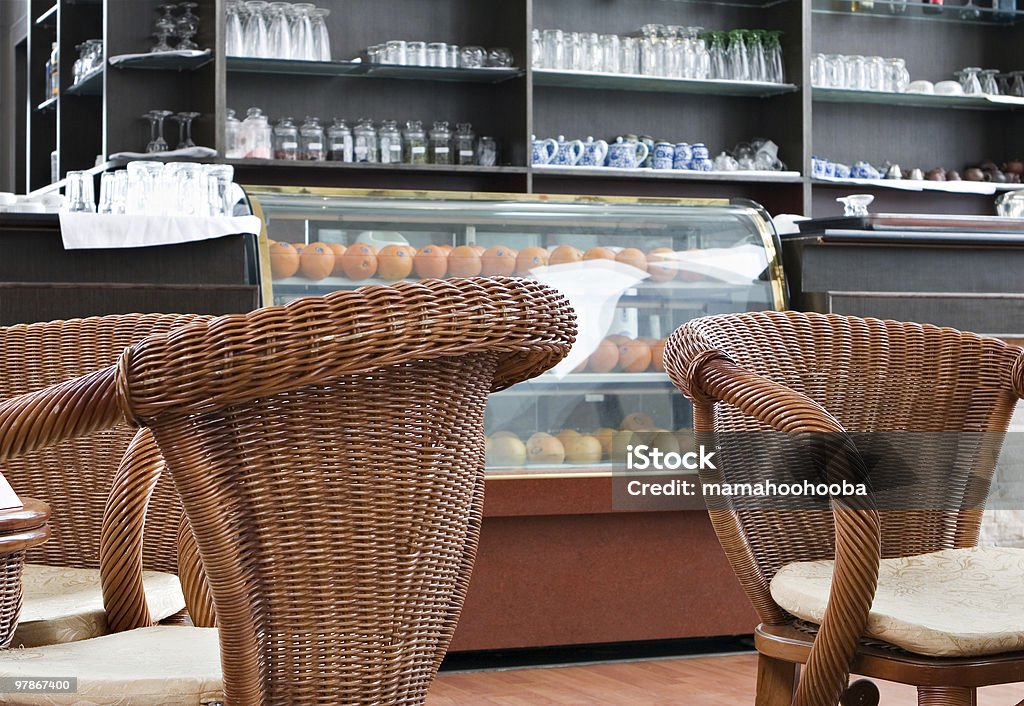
{"x":96,"y":231}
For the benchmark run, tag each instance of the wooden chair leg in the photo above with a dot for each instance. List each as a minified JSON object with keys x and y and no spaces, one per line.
{"x":946,"y":696}
{"x":776,"y":681}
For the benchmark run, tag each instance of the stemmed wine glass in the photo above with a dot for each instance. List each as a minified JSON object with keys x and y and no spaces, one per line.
{"x":185,"y":129}
{"x":187,"y":26}
{"x":165,"y":27}
{"x":989,"y":83}
{"x":156,"y":118}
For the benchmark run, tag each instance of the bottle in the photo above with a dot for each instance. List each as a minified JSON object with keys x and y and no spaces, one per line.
{"x":390,"y":142}
{"x":464,"y":144}
{"x":364,"y":142}
{"x":311,"y":141}
{"x":487,"y":152}
{"x":339,"y":142}
{"x":415,"y":143}
{"x":440,"y":149}
{"x":54,"y":167}
{"x":233,"y":137}
{"x":54,"y":70}
{"x":255,"y":135}
{"x":933,"y":7}
{"x":286,"y":140}
{"x":1004,"y":10}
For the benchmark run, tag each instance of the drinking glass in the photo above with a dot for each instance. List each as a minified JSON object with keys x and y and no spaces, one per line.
{"x":554,"y":49}
{"x":185,"y":123}
{"x":255,"y":32}
{"x":500,"y":57}
{"x":395,"y":52}
{"x":187,"y":26}
{"x":235,"y":33}
{"x":758,"y":60}
{"x":164,"y":30}
{"x":875,"y":73}
{"x":536,"y":50}
{"x":719,"y":55}
{"x":1017,"y":84}
{"x":592,"y":57}
{"x":303,"y":46}
{"x":437,"y":54}
{"x":739,"y":62}
{"x":652,"y":51}
{"x":989,"y":83}
{"x":472,"y":57}
{"x":897,"y":78}
{"x":113,"y":192}
{"x":835,"y":73}
{"x":279,"y":35}
{"x":855,"y":74}
{"x":79,"y":192}
{"x":416,"y":53}
{"x":187,"y":189}
{"x":819,"y":71}
{"x":156,"y":118}
{"x":969,"y":80}
{"x":143,"y":186}
{"x":611,"y":53}
{"x":321,"y":37}
{"x":573,"y":51}
{"x":452,"y":56}
{"x":375,"y":54}
{"x":630,"y":61}
{"x":776,"y":66}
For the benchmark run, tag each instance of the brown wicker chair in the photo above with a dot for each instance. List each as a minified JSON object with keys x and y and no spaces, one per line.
{"x":329,"y":455}
{"x":857,"y":383}
{"x":100,"y":488}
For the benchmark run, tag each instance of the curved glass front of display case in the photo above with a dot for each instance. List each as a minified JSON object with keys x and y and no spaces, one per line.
{"x":634,"y":270}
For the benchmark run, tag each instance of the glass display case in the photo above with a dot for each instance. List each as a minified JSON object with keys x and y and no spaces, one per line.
{"x":634,"y":270}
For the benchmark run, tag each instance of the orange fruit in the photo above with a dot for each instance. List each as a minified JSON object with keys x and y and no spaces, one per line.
{"x":464,"y":262}
{"x":529,"y":258}
{"x":632,"y":257}
{"x":445,"y":247}
{"x":431,"y":262}
{"x":544,"y":448}
{"x":605,"y":435}
{"x":479,"y":249}
{"x":661,"y":264}
{"x":506,"y":451}
{"x":339,"y":252}
{"x":583,"y":449}
{"x":499,"y":261}
{"x":565,"y":255}
{"x":566,"y":435}
{"x":618,"y":339}
{"x":637,"y":421}
{"x":604,"y":358}
{"x":599,"y":253}
{"x":394,"y":262}
{"x":316,"y":261}
{"x":284,"y":261}
{"x":634,"y":356}
{"x":658,"y":355}
{"x":359,"y":261}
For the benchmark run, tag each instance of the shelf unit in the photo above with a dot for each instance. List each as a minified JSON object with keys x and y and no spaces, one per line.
{"x":512,"y":104}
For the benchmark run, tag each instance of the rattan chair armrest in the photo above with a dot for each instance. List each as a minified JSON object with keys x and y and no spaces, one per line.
{"x":70,"y":409}
{"x":712,"y":377}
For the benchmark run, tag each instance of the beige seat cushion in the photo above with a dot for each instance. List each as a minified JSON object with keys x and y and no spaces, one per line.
{"x":956,"y":602}
{"x":65,"y":605}
{"x":158,"y":666}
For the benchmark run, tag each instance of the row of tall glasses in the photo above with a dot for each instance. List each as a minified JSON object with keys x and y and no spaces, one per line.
{"x":278,"y":30}
{"x":155,"y":188}
{"x":669,"y":51}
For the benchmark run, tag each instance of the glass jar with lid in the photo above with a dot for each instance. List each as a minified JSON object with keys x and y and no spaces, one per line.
{"x":286,"y":140}
{"x":311,"y":141}
{"x":390,"y":141}
{"x":440,"y":143}
{"x":364,"y":142}
{"x":415,"y":140}
{"x":339,"y":141}
{"x":487,"y":152}
{"x":255,"y":136}
{"x":464,"y":144}
{"x":233,"y":137}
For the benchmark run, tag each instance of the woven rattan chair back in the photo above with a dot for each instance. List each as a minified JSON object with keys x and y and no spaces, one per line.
{"x":873,"y":377}
{"x":329,"y":454}
{"x":74,"y":477}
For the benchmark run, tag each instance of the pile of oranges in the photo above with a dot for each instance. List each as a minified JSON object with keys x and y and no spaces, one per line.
{"x":394,"y":262}
{"x":505,"y":448}
{"x":619,"y":353}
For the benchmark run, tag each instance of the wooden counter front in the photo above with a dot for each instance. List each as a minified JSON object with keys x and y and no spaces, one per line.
{"x":557,"y":565}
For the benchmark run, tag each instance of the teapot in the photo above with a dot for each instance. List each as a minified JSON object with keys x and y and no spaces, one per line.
{"x":594,"y":153}
{"x":627,"y":155}
{"x":568,"y":153}
{"x":543,"y":150}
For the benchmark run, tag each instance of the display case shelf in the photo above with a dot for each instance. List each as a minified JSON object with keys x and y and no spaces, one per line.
{"x":48,"y":104}
{"x":360,"y":69}
{"x":90,"y":85}
{"x":164,"y":61}
{"x":913,"y":11}
{"x":737,"y":177}
{"x":657,"y":84}
{"x":917,"y":100}
{"x":982,"y":188}
{"x":365,"y":166}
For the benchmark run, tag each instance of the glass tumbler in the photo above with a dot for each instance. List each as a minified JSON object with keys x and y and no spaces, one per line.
{"x":472,"y":57}
{"x":279,"y":36}
{"x":989,"y":82}
{"x":321,"y":37}
{"x":897,"y":78}
{"x":835,"y":72}
{"x":395,"y":52}
{"x":611,"y":53}
{"x":416,"y":53}
{"x":255,"y":34}
{"x":113,"y":192}
{"x":437,"y":54}
{"x":79,"y":192}
{"x":855,"y":74}
{"x":630,"y":61}
{"x":303,"y":47}
{"x":969,"y":79}
{"x":739,"y":63}
{"x":223,"y":175}
{"x":554,"y":49}
{"x":233,"y":28}
{"x":143,"y":186}
{"x":536,"y":50}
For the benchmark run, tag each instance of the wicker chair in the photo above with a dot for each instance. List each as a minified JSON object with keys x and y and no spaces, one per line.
{"x":329,"y":454}
{"x":100,"y":488}
{"x":832,"y":584}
